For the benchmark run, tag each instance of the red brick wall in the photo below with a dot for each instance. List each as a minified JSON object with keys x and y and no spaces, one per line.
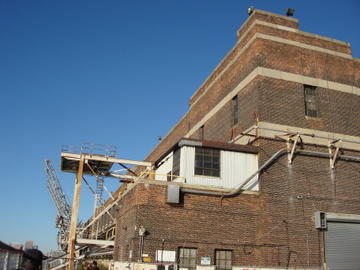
{"x":296,"y":192}
{"x":278,"y":56}
{"x":220,"y":127}
{"x":266,"y":17}
{"x":304,"y":38}
{"x":282,"y":102}
{"x":203,"y":222}
{"x":125,"y":226}
{"x":275,"y":227}
{"x":240,"y":69}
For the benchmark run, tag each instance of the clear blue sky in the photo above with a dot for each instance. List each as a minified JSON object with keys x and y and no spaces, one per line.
{"x":111,"y":72}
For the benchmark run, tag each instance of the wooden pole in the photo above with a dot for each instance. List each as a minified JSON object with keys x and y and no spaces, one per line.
{"x":74,"y":215}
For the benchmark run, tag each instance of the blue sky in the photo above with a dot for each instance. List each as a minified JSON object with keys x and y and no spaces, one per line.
{"x":111,"y":72}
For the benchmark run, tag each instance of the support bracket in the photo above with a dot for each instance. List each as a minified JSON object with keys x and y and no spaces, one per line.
{"x":333,"y":155}
{"x":292,"y":148}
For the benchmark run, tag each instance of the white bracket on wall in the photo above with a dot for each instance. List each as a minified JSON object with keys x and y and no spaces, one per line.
{"x":291,"y":148}
{"x":333,"y":155}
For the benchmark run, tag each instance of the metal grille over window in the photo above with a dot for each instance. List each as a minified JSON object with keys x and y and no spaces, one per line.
{"x":187,"y":258}
{"x":310,"y":101}
{"x":223,"y":259}
{"x":207,"y":161}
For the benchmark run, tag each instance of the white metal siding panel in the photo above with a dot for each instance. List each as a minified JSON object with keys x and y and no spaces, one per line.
{"x":3,"y":259}
{"x":252,"y":165}
{"x":9,"y":260}
{"x":187,"y":157}
{"x":342,"y":246}
{"x":189,"y":163}
{"x":165,"y":168}
{"x":14,"y":261}
{"x":235,"y":167}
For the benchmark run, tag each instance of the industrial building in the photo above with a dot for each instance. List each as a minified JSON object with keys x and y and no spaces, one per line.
{"x":263,"y":171}
{"x":10,"y":257}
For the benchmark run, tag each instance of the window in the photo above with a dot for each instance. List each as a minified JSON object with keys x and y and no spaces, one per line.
{"x":207,"y":161}
{"x":235,"y":110}
{"x":187,"y":258}
{"x":310,"y":101}
{"x":223,"y":259}
{"x":176,"y":164}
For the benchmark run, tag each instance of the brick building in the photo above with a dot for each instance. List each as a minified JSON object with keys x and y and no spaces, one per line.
{"x":264,"y":168}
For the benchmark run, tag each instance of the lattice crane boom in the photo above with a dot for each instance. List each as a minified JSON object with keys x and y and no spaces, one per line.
{"x":61,"y":203}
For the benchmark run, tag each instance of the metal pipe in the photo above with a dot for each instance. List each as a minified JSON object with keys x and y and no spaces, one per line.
{"x":352,"y":158}
{"x":245,"y":133}
{"x":277,"y":155}
{"x":313,"y":153}
{"x":239,"y":188}
{"x":327,"y":155}
{"x":101,"y":253}
{"x":310,"y":135}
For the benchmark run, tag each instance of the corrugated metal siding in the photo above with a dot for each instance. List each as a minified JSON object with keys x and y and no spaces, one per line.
{"x":187,"y":163}
{"x":14,"y":261}
{"x":9,"y":260}
{"x":235,"y":167}
{"x":165,"y":168}
{"x":342,"y":246}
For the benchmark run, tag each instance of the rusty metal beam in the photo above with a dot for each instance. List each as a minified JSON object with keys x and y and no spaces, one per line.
{"x":102,"y":243}
{"x":72,"y":156}
{"x":128,"y":169}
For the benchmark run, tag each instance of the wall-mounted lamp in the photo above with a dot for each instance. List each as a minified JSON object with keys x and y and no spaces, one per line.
{"x":290,"y":12}
{"x":250,"y":10}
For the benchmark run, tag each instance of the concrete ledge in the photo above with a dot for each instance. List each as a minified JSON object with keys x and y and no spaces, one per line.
{"x":340,"y":217}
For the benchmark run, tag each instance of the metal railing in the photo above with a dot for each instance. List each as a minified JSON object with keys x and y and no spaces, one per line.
{"x":90,"y":148}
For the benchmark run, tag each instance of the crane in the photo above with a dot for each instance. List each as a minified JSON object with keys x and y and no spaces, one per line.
{"x":61,"y":203}
{"x":63,"y":218}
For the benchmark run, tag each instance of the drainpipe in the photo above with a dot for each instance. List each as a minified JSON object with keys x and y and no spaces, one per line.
{"x":141,"y":242}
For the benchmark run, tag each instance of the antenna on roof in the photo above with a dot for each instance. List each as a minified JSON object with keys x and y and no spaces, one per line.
{"x":290,"y":12}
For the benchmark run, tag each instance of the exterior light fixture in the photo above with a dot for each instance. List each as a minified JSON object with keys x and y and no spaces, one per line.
{"x":290,"y":12}
{"x":250,"y":10}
